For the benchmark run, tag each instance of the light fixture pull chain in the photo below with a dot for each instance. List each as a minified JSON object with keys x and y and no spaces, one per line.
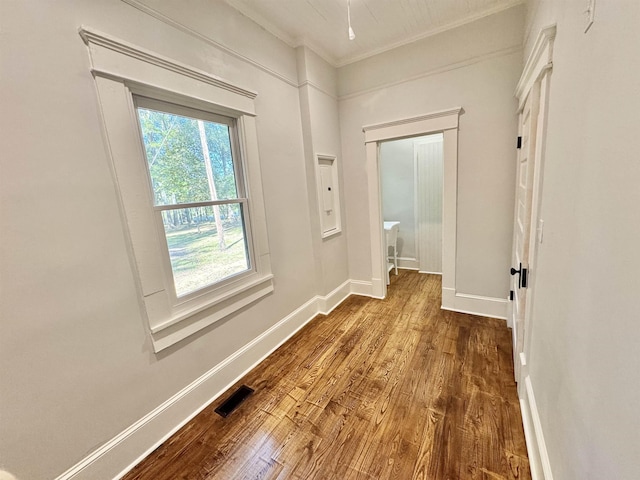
{"x":352,"y":35}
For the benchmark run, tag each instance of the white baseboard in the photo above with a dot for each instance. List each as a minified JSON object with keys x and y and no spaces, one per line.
{"x":474,"y":304}
{"x":377,"y":287}
{"x":359,"y":287}
{"x":536,"y":446}
{"x":327,"y":303}
{"x":408,"y":263}
{"x":128,"y":448}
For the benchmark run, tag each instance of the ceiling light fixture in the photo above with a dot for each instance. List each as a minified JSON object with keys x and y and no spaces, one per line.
{"x":351,"y":34}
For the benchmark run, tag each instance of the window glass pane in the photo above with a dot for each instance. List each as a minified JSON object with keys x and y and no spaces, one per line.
{"x":201,"y":253}
{"x":189,"y":159}
{"x":219,"y":145}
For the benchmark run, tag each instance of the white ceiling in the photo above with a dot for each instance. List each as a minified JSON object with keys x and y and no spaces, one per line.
{"x":378,"y":24}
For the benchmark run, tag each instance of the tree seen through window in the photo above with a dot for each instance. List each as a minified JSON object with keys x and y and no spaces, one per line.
{"x":196,"y":191}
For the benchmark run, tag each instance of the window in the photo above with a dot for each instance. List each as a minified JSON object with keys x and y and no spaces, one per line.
{"x":198,"y":194}
{"x":184,"y":154}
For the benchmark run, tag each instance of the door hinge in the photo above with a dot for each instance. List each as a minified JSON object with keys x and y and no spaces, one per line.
{"x":511,"y":293}
{"x":519,"y":142}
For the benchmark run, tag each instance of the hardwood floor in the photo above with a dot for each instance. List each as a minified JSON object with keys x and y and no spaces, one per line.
{"x":378,"y":389}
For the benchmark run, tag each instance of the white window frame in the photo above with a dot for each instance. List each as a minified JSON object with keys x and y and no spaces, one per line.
{"x":122,"y":71}
{"x":241,"y":199}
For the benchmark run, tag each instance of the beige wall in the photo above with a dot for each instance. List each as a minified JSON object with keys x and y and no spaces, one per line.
{"x":585,"y":347}
{"x":475,"y":66}
{"x":77,"y":366}
{"x":321,"y":131}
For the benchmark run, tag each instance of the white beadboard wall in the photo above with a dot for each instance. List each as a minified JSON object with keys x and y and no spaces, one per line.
{"x":429,"y":156}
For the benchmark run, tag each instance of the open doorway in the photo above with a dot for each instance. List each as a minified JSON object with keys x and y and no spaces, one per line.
{"x":411,"y":185}
{"x":446,"y":123}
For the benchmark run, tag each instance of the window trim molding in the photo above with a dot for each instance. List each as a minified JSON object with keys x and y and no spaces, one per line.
{"x":97,"y":40}
{"x":122,"y":70}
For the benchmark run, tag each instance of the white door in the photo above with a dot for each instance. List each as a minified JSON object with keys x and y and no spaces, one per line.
{"x":528,"y":125}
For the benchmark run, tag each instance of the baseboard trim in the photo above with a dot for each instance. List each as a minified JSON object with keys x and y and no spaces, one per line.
{"x":359,"y":287}
{"x":474,"y":304}
{"x":327,"y":303}
{"x":536,"y":447}
{"x":120,"y":454}
{"x":408,"y":263}
{"x":377,"y":287}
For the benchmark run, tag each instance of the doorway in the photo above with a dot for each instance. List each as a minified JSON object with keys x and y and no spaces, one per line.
{"x":445,"y":123}
{"x":411,"y":178}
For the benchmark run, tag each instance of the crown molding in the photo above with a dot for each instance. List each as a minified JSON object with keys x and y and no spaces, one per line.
{"x":349,"y":59}
{"x":308,"y":83}
{"x":292,"y":41}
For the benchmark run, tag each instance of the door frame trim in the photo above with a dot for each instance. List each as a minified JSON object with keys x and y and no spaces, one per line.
{"x":445,"y":122}
{"x":536,"y":74}
{"x":540,"y":60}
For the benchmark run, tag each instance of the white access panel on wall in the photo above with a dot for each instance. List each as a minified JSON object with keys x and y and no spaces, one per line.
{"x":328,"y":195}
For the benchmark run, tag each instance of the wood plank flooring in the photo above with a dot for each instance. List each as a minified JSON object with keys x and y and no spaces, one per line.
{"x":378,"y":389}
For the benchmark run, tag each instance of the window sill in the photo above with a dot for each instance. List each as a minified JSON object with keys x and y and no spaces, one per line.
{"x":185,"y":323}
{"x":183,"y":315}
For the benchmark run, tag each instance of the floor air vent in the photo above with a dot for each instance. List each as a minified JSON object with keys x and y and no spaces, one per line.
{"x":231,"y":403}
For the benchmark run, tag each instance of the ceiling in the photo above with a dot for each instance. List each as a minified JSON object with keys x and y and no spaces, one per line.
{"x":378,"y":24}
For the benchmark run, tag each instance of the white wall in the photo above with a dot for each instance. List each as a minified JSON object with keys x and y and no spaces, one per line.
{"x":320,"y":127}
{"x":475,"y":66}
{"x":585,"y":342}
{"x":77,"y":366}
{"x":397,"y":182}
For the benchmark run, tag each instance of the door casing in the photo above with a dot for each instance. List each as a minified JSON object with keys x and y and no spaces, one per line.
{"x":533,"y":87}
{"x":445,"y":122}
